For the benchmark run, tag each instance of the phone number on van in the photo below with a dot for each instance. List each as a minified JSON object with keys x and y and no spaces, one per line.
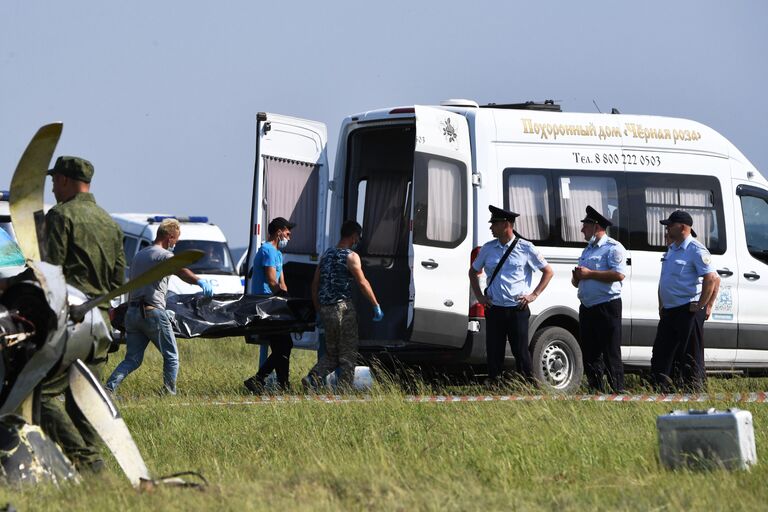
{"x":618,"y":158}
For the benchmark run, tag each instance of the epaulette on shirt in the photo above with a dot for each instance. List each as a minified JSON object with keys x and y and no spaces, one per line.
{"x":699,"y":244}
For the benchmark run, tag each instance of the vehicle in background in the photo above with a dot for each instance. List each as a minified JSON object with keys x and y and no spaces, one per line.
{"x":11,"y":258}
{"x":419,"y":179}
{"x":5,"y":214}
{"x":238,"y":256}
{"x":216,"y":267}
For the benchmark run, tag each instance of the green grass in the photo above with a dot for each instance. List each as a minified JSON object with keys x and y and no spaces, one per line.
{"x":388,"y":454}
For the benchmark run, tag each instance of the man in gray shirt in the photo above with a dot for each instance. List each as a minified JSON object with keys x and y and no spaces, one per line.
{"x":146,"y":319}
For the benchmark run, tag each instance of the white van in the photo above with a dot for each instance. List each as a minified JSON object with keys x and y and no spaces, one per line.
{"x":420,"y":179}
{"x":216,"y":267}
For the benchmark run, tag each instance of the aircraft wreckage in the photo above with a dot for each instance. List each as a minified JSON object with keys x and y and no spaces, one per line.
{"x":49,"y":328}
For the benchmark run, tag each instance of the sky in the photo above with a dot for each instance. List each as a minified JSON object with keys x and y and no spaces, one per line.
{"x":162,"y":95}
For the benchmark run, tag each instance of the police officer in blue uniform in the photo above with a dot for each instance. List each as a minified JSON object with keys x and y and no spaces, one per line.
{"x":507,"y":298}
{"x":598,"y":277}
{"x":688,"y":287}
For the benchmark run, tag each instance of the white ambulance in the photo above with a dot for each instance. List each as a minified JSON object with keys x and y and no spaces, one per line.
{"x":216,"y":266}
{"x":420,"y":179}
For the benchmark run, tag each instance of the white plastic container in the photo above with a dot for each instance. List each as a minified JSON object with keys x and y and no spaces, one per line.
{"x":363,"y":380}
{"x":707,"y":439}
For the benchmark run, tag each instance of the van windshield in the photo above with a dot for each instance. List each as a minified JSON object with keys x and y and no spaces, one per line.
{"x":216,"y":259}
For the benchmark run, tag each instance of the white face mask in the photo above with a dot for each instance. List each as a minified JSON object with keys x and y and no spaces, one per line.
{"x":592,"y":240}
{"x":282,"y":243}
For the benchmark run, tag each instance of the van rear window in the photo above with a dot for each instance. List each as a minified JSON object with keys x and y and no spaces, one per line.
{"x":440,"y":201}
{"x":291,"y":190}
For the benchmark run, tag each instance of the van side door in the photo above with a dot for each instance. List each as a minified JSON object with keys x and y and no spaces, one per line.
{"x":653,"y":197}
{"x":752,"y":247}
{"x":441,"y":238}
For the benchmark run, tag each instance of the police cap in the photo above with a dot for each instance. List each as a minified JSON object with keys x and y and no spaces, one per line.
{"x":497,"y":214}
{"x":679,"y":216}
{"x":593,"y":217}
{"x":73,"y":167}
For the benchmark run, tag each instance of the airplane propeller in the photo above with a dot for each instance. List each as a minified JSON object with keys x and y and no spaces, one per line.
{"x":69,"y":330}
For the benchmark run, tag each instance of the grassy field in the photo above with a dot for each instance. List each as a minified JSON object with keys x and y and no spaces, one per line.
{"x":388,"y":454}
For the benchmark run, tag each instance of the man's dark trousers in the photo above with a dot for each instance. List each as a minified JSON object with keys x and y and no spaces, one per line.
{"x":678,"y":350}
{"x":600,"y":333}
{"x":502,"y":323}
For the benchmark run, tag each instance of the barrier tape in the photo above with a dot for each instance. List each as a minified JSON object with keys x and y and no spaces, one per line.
{"x":756,"y":398}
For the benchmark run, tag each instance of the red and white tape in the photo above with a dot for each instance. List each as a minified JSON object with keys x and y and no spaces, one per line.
{"x":757,"y":398}
{"x":761,"y":397}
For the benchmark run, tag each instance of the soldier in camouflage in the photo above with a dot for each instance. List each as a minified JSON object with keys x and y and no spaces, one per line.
{"x":331,"y":293}
{"x":82,"y":238}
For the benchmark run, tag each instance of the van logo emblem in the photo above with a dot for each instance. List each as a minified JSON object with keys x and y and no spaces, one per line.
{"x":449,"y":131}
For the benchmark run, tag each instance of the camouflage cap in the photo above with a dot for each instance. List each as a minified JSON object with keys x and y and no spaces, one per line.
{"x":73,"y":167}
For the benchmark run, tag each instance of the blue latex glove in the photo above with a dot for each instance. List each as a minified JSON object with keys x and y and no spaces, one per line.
{"x":378,"y":314}
{"x":206,"y":286}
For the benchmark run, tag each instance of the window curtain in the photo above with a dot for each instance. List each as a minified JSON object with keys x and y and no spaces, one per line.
{"x":443,"y":201}
{"x":576,"y":192}
{"x":662,"y":201}
{"x":385,"y":196}
{"x":527,"y":195}
{"x":291,"y":190}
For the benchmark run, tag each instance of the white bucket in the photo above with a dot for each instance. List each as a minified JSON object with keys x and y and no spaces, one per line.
{"x":362,"y":380}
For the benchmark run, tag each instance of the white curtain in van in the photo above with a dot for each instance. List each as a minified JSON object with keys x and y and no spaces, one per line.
{"x":662,"y":201}
{"x":291,"y":190}
{"x":578,"y":192}
{"x":527,"y":195}
{"x":385,"y":212}
{"x":443,"y":201}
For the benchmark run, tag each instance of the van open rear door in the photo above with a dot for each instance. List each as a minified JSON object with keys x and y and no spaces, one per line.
{"x":441,"y":237}
{"x":290,"y":181}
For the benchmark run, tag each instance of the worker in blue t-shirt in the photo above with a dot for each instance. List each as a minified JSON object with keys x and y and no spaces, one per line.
{"x":268,"y":279}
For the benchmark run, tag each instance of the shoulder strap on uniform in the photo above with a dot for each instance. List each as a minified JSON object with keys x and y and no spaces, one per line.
{"x":502,"y":260}
{"x":518,"y":235}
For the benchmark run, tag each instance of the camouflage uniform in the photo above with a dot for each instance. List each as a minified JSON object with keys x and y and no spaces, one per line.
{"x":339,"y":317}
{"x":88,"y":244}
{"x":341,"y":340}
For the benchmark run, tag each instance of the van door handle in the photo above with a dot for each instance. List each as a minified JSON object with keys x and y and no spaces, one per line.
{"x":752,"y":276}
{"x":430,"y":264}
{"x":724,"y":272}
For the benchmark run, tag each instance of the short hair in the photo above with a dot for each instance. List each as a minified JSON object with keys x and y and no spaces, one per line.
{"x":351,"y":227}
{"x":168,"y":227}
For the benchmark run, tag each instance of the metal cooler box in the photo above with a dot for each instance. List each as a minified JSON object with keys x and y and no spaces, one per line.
{"x":707,"y":439}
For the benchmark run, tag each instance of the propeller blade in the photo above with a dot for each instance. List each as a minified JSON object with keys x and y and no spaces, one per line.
{"x":162,"y":269}
{"x":27,"y":184}
{"x":97,"y":407}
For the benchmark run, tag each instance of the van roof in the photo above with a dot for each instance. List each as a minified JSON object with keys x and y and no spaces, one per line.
{"x":145,"y":225}
{"x":526,"y":123}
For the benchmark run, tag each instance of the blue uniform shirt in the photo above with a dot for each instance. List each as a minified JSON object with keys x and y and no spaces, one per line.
{"x":514,"y":278}
{"x":682,"y":268}
{"x":604,"y":254}
{"x":266,"y":256}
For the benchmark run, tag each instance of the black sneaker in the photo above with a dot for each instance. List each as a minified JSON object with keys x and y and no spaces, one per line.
{"x":254,"y":385}
{"x":167,"y":390}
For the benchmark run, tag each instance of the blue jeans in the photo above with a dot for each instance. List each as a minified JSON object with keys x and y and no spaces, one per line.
{"x":155,"y":326}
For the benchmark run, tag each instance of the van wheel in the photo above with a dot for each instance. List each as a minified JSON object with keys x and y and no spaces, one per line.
{"x":557,"y":362}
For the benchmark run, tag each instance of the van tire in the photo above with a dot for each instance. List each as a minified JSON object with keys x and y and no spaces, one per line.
{"x":557,"y":362}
